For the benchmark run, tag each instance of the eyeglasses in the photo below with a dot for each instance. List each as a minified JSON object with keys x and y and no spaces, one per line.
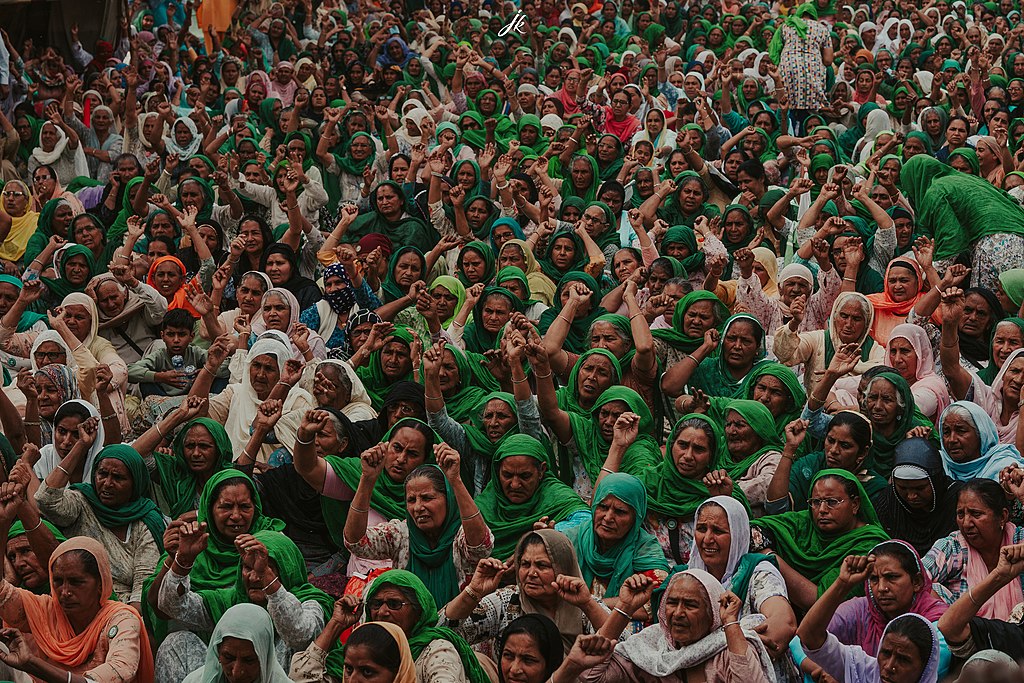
{"x":829,"y":503}
{"x":50,"y":355}
{"x":587,"y":218}
{"x":13,"y":194}
{"x":393,"y":604}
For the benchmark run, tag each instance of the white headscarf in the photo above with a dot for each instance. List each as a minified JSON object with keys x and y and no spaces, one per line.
{"x":193,"y":146}
{"x":51,"y":336}
{"x":247,"y":622}
{"x":50,"y":158}
{"x":739,"y":528}
{"x":48,"y":456}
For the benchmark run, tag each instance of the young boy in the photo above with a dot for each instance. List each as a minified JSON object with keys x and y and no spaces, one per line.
{"x":170,"y":371}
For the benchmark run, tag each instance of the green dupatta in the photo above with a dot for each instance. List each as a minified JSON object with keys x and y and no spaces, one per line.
{"x":675,"y":336}
{"x":432,"y":562}
{"x":569,"y":395}
{"x":593,"y":449}
{"x":177,"y":481}
{"x":372,"y":374}
{"x":760,"y":419}
{"x":713,"y":377}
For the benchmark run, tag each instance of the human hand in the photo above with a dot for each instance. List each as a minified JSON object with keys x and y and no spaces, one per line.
{"x":489,"y":574}
{"x":729,"y":607}
{"x":635,"y":592}
{"x":27,"y":385}
{"x":719,"y":483}
{"x":626,"y":430}
{"x":796,"y":432}
{"x":372,"y":461}
{"x":855,"y":569}
{"x":268,"y":413}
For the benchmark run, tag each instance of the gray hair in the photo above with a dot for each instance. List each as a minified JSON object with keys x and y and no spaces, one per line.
{"x":963,"y":413}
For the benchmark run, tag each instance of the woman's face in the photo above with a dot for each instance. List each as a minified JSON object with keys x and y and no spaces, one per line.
{"x":168,"y":278}
{"x":612,"y":521}
{"x":88,"y":234}
{"x":518,"y":475}
{"x":773,"y":394}
{"x":252,"y":236}
{"x":48,"y":137}
{"x":606,"y":336}
{"x":444,"y":302}
{"x":389,"y":203}
{"x":425,"y":505}
{"x":563,"y":253}
{"x":65,"y":434}
{"x":980,"y":525}
{"x":113,"y":483}
{"x":677,"y":164}
{"x":977,"y":316}
{"x":841,"y":450}
{"x":49,"y":397}
{"x":404,"y":615}
{"x":691,"y":196}
{"x":77,"y":591}
{"x":892,"y":587}
{"x":961,"y":164}
{"x":582,"y":174}
{"x":536,"y":572}
{"x":76,"y":270}
{"x":832,"y":509}
{"x":264,"y":373}
{"x":43,"y":183}
{"x":903,"y":358}
{"x":596,"y":374}
{"x":851,"y":322}
{"x":78,"y":320}
{"x":448,"y":372}
{"x":740,"y":437}
{"x":881,"y":404}
{"x":497,"y":310}
{"x":900,"y":658}
{"x":687,"y":611}
{"x":736,"y":227}
{"x":497,"y":420}
{"x":512,"y":255}
{"x":408,"y":270}
{"x":407,"y":450}
{"x":960,"y":438}
{"x":200,"y":450}
{"x":249,"y":294}
{"x":624,"y":265}
{"x":161,"y":226}
{"x":657,"y":278}
{"x":713,"y":538}
{"x":276,"y":313}
{"x":956,"y":133}
{"x":15,"y":200}
{"x":522,"y":660}
{"x":395,"y":360}
{"x":740,"y":345}
{"x":473,"y":266}
{"x":1007,"y":339}
{"x":239,"y":662}
{"x":698,"y":319}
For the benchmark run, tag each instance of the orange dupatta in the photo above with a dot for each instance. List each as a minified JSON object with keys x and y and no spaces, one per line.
{"x":180,"y":299}
{"x":54,"y":636}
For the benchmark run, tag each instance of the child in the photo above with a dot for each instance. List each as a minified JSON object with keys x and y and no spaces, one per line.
{"x":170,"y":371}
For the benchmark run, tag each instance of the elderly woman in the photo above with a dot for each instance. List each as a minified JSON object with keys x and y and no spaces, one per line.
{"x":909,"y":352}
{"x":18,"y":219}
{"x":78,"y":633}
{"x":698,"y":634}
{"x":548,"y":582}
{"x":130,"y":311}
{"x":269,"y":373}
{"x":722,"y":362}
{"x":59,"y":148}
{"x":242,"y":644}
{"x":279,"y":310}
{"x":112,"y":507}
{"x":970,"y":444}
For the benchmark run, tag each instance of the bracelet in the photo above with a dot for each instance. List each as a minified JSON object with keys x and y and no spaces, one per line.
{"x":503,"y":187}
{"x":433,"y":398}
{"x":80,"y":345}
{"x":731,"y":623}
{"x":267,"y":587}
{"x":970,"y":594}
{"x":28,"y":531}
{"x":518,"y":381}
{"x":472,"y":593}
{"x":605,"y":469}
{"x":353,"y":508}
{"x":849,"y":279}
{"x":167,"y":563}
{"x":247,"y":454}
{"x":300,"y":441}
{"x":64,"y":471}
{"x":284,"y":383}
{"x":567,"y":321}
{"x":466,"y":519}
{"x":212,"y":373}
{"x":107,"y":417}
{"x":542,"y":376}
{"x":69,"y":677}
{"x":186,"y":567}
{"x":623,"y":613}
{"x":695,"y":361}
{"x":159,"y":431}
{"x":35,"y":423}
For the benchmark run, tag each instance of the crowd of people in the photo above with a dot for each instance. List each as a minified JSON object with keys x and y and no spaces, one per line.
{"x":494,"y":342}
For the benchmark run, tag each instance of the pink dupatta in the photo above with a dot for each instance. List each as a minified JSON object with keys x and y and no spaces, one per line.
{"x":1000,"y":605}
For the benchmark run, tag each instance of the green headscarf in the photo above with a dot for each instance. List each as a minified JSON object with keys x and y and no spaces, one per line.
{"x":347,"y":164}
{"x":486,"y":253}
{"x":18,"y":529}
{"x":579,"y":259}
{"x":372,"y":374}
{"x":138,"y":507}
{"x":432,"y":562}
{"x":813,"y":554}
{"x":405,"y":230}
{"x":675,"y":336}
{"x":883,"y":448}
{"x":478,"y":339}
{"x":465,"y":402}
{"x":44,"y":230}
{"x":569,"y":395}
{"x":392,"y":292}
{"x":60,"y":286}
{"x":508,"y":521}
{"x":593,"y":449}
{"x":425,"y":631}
{"x":988,"y":374}
{"x":760,"y":419}
{"x":477,"y":435}
{"x":674,"y":214}
{"x":388,"y":497}
{"x":713,"y":377}
{"x":611,"y":171}
{"x":454,"y":287}
{"x":638,"y":552}
{"x":578,"y":338}
{"x":610,"y":235}
{"x":177,"y":481}
{"x":510,"y":273}
{"x":669,"y":493}
{"x":788,"y":378}
{"x":590,"y":193}
{"x":542,"y":143}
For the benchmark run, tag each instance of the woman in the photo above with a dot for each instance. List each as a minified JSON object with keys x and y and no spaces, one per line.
{"x":614,"y":546}
{"x":49,"y":388}
{"x":76,"y":631}
{"x":520,"y":254}
{"x":586,"y":311}
{"x":909,"y":352}
{"x":904,"y":281}
{"x":522,"y":492}
{"x":850,"y":323}
{"x":342,"y":291}
{"x":431,"y":541}
{"x":279,"y":310}
{"x":753,"y":449}
{"x":970,"y":444}
{"x":241,"y":648}
{"x":113,"y":508}
{"x":919,"y":505}
{"x":167,"y":275}
{"x":989,"y":224}
{"x":698,"y":634}
{"x":491,"y":312}
{"x":812,"y":543}
{"x":543,"y":561}
{"x":17,"y":201}
{"x":281,"y":263}
{"x":199,"y":450}
{"x":593,"y":372}
{"x":529,"y":647}
{"x":693,"y":315}
{"x":895,"y":583}
{"x":802,"y":49}
{"x":721,"y":363}
{"x":438,"y":651}
{"x":130,"y":313}
{"x":966,"y":556}
{"x":390,"y":216}
{"x":475,"y":263}
{"x":64,"y":435}
{"x":383,"y":360}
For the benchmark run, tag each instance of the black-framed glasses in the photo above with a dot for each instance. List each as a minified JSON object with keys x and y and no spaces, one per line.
{"x":393,"y":604}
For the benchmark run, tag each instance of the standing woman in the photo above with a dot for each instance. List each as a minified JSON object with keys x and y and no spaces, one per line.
{"x":802,"y":47}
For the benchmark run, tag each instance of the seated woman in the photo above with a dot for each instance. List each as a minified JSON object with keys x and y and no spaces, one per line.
{"x":698,"y":635}
{"x":689,"y":473}
{"x":248,"y":294}
{"x":528,"y":650}
{"x":271,"y":575}
{"x":811,"y":544}
{"x":342,"y":290}
{"x":1001,"y":399}
{"x":548,"y":582}
{"x":374,"y":651}
{"x":908,"y":649}
{"x":113,"y":507}
{"x":514,"y":280}
{"x":850,"y":323}
{"x":964,"y":557}
{"x":752,"y":577}
{"x":270,"y":372}
{"x":456,"y":376}
{"x":919,"y":504}
{"x":279,"y":310}
{"x":693,"y":315}
{"x":130,"y":311}
{"x":586,"y":292}
{"x":524,"y":491}
{"x":28,"y":552}
{"x":772,"y":384}
{"x":593,"y":372}
{"x":905,"y":279}
{"x":909,"y":352}
{"x":847,"y":446}
{"x":384,"y":359}
{"x":241,"y":648}
{"x":970,"y":444}
{"x":442,"y":535}
{"x":479,"y":323}
{"x":89,"y":636}
{"x":753,"y":449}
{"x":518,"y":253}
{"x":614,"y":546}
{"x":399,"y":597}
{"x":65,"y":437}
{"x":895,"y":583}
{"x":722,"y":362}
{"x":229,"y":507}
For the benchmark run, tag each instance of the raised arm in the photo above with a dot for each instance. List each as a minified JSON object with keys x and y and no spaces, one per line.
{"x":553,"y":416}
{"x":959,"y":379}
